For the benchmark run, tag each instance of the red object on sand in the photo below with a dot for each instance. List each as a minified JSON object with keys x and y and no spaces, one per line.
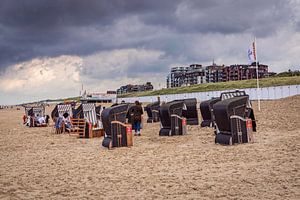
{"x":24,"y":119}
{"x":129,"y":135}
{"x":184,"y":121}
{"x":249,"y":124}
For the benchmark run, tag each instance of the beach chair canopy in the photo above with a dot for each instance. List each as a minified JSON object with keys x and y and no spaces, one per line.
{"x":116,"y":113}
{"x":152,"y":106}
{"x":231,"y":116}
{"x":130,"y":111}
{"x":87,"y":111}
{"x":35,"y":110}
{"x":226,"y":108}
{"x":172,"y":119}
{"x":249,"y":110}
{"x":166,"y":110}
{"x":152,"y":111}
{"x":206,"y":109}
{"x":237,"y":93}
{"x":228,"y":95}
{"x":61,"y":109}
{"x":190,"y":113}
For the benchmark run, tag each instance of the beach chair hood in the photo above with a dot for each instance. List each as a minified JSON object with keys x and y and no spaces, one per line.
{"x":190,"y":113}
{"x":166,"y":110}
{"x":116,"y":113}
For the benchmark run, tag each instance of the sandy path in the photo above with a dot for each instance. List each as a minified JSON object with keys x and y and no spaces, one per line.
{"x":37,"y":164}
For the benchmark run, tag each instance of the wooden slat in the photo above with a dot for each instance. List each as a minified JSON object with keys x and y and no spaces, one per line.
{"x":78,"y":127}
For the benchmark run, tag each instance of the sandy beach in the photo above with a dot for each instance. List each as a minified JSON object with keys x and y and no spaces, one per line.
{"x":35,"y":163}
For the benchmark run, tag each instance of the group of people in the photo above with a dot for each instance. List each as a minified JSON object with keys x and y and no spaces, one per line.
{"x":37,"y":120}
{"x":63,"y":122}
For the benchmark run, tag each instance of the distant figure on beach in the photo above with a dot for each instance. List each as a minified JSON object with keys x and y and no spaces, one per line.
{"x":137,"y":118}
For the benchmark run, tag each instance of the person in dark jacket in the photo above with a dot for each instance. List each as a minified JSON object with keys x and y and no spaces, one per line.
{"x":137,"y":112}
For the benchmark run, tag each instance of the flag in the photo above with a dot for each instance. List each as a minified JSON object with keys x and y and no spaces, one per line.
{"x":252,"y":53}
{"x":252,"y":57}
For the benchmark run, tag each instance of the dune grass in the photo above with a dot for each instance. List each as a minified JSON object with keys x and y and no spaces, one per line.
{"x":266,"y":82}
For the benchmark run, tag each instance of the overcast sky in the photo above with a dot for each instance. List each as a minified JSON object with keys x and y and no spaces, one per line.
{"x":49,"y":48}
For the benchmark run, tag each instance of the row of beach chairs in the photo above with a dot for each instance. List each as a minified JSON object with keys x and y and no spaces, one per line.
{"x":84,"y":121}
{"x":231,"y":116}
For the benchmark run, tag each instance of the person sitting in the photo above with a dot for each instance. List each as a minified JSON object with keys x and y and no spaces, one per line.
{"x":67,"y":122}
{"x":41,"y":120}
{"x":28,"y":120}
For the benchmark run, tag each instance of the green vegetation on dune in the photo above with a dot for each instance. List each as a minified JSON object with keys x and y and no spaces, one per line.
{"x":266,"y":82}
{"x":61,"y":99}
{"x":72,"y":99}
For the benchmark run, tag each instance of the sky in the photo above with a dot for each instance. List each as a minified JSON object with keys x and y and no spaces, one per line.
{"x":50,"y":48}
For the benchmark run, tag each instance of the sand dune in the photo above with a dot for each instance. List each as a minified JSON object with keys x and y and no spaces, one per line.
{"x":38,"y":164}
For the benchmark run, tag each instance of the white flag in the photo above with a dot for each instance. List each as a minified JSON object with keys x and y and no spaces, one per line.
{"x":252,"y":53}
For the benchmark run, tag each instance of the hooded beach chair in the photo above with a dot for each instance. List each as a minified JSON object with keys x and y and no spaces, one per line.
{"x":190,"y":113}
{"x":152,"y":111}
{"x":171,"y":118}
{"x":57,"y":116}
{"x":206,"y":109}
{"x":33,"y":113}
{"x":117,"y":132}
{"x":234,"y":118}
{"x":64,"y":108}
{"x":249,"y":109}
{"x":230,"y":117}
{"x":88,"y":112}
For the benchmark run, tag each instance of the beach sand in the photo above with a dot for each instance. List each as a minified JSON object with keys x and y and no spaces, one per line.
{"x":35,"y":163}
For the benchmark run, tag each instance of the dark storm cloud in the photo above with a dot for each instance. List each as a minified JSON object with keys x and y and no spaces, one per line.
{"x":225,"y":16}
{"x":48,"y":28}
{"x":35,"y":28}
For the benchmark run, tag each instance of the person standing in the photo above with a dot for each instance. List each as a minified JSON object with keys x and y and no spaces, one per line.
{"x":137,"y":112}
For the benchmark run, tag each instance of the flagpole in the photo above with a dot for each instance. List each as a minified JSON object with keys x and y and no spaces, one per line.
{"x":257,"y":82}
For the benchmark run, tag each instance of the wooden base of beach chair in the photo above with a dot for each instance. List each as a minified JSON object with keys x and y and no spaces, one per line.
{"x":98,"y":132}
{"x":78,"y":127}
{"x":42,"y":125}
